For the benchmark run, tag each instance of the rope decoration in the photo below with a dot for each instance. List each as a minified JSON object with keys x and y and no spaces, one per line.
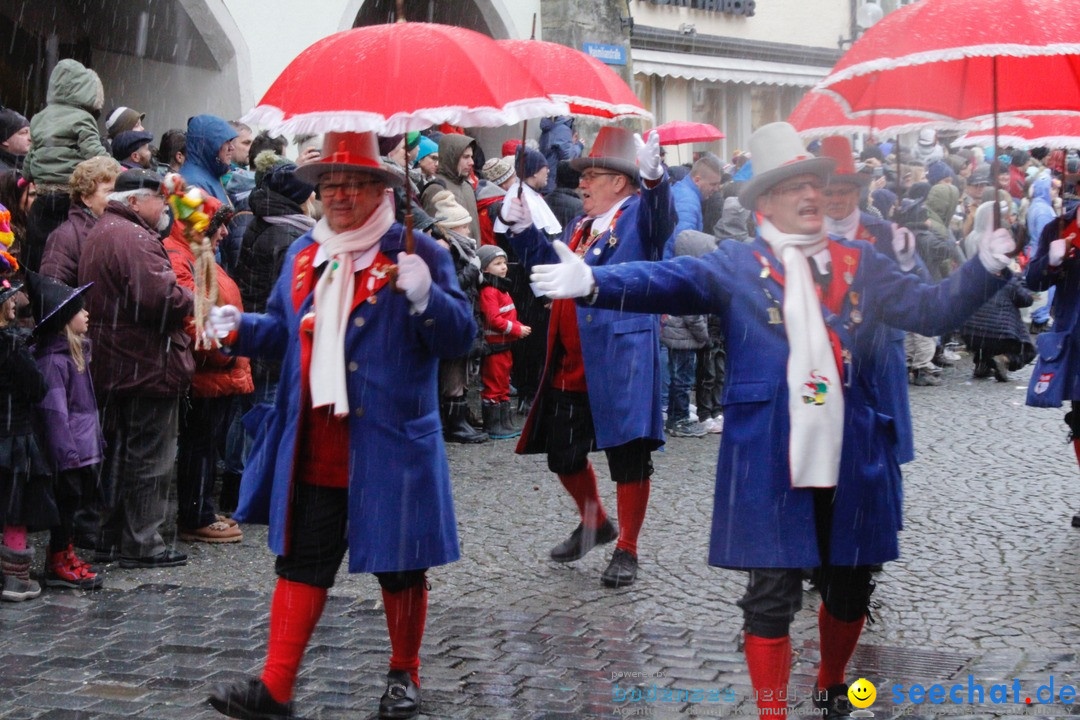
{"x":189,"y":206}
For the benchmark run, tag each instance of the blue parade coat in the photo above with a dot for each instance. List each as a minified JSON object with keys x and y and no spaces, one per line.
{"x":401,"y":513}
{"x":759,"y":520}
{"x":620,"y":348}
{"x":1066,"y":305}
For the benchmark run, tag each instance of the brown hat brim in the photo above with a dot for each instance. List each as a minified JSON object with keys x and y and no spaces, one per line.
{"x":313,"y":172}
{"x":758,"y":184}
{"x":617,"y":164}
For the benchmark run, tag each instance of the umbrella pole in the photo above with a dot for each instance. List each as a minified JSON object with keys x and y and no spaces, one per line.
{"x":410,"y":241}
{"x":997,"y":173}
{"x":520,"y":164}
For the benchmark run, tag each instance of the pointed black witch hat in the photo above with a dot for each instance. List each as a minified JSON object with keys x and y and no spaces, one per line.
{"x":52,"y":302}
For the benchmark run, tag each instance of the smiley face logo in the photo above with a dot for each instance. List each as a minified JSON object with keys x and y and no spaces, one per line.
{"x":862,"y":693}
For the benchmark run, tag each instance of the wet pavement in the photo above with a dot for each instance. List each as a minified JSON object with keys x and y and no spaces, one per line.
{"x":987,"y":587}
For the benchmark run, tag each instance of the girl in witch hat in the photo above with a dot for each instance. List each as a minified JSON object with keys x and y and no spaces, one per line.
{"x":26,"y":499}
{"x":68,"y":419}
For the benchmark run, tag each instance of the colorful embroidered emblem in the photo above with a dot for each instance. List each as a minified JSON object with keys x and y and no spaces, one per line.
{"x":1044,"y":383}
{"x":815,"y":391}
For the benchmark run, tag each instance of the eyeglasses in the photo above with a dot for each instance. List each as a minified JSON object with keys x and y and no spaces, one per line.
{"x":797,"y":188}
{"x":591,"y":175}
{"x":348,"y":189}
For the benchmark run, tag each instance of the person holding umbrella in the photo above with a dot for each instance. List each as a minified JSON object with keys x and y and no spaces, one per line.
{"x":808,"y":475}
{"x":582,"y":405}
{"x":350,"y":458}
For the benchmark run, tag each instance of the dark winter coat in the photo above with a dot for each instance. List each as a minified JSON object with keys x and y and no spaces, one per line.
{"x":262,"y":249}
{"x":138,"y":311}
{"x":64,"y":246}
{"x":1041,"y":275}
{"x":21,"y":384}
{"x":556,"y":143}
{"x":999,"y":317}
{"x":687,"y":332}
{"x":566,"y":204}
{"x":202,"y":167}
{"x":65,"y":132}
{"x":68,"y":415}
{"x":10,"y":161}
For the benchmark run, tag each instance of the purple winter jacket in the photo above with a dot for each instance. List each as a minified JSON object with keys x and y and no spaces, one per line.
{"x":68,"y":415}
{"x":64,"y":245}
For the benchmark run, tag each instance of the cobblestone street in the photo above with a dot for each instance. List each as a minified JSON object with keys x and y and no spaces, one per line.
{"x":987,"y":586}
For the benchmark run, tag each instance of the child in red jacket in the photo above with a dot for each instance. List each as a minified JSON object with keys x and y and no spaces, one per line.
{"x":501,"y":327}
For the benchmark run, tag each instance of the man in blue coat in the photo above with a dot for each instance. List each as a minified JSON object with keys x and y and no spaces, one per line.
{"x":351,"y":456}
{"x":808,"y":474}
{"x":600,"y":389}
{"x":705,"y":179}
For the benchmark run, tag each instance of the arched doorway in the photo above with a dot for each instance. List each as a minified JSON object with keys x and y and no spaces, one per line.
{"x":483,"y":16}
{"x":170,"y":59}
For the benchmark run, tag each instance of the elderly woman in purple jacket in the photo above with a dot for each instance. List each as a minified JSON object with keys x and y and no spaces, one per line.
{"x":91,"y":184}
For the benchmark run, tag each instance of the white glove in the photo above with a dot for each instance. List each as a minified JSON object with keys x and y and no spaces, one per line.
{"x":569,"y":278}
{"x":648,"y":156}
{"x":515,"y":215}
{"x":994,"y":247}
{"x":903,"y":245}
{"x":1057,"y":252}
{"x":414,"y":279}
{"x":223,"y":320}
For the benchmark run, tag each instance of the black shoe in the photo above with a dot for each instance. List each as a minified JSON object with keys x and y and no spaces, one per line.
{"x":982,"y":370}
{"x":249,"y":700}
{"x":1076,"y":520}
{"x":621,"y":571}
{"x":402,"y":697}
{"x":832,"y":703}
{"x":165,"y":558}
{"x":1001,"y":368}
{"x":582,"y":540}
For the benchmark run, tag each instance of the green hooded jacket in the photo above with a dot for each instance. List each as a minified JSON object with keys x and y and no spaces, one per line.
{"x":65,"y":133}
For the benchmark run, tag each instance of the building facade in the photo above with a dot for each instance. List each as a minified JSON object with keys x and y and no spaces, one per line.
{"x":734,"y":63}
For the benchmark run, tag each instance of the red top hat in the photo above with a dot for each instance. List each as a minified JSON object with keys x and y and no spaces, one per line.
{"x":838,"y":148}
{"x":349,"y":152}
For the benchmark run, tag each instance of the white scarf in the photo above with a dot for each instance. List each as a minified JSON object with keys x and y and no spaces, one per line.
{"x":845,"y":228}
{"x":543,"y":219}
{"x":816,"y":418}
{"x":333,"y":303}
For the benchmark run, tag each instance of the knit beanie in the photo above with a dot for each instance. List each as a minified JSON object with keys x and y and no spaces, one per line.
{"x":448,"y":212}
{"x":11,"y":122}
{"x":387,"y":143}
{"x":487,"y":253}
{"x":509,"y":147}
{"x":497,"y":171}
{"x":534,"y":161}
{"x":427,"y":147}
{"x":938,"y":171}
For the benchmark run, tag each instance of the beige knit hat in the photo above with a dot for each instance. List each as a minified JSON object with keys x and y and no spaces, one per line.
{"x":448,"y":212}
{"x":497,"y":170}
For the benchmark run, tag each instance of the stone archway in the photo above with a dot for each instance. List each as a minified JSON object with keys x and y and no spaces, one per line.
{"x":169,"y":59}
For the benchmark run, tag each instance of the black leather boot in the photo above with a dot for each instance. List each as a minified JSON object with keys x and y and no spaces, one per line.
{"x":506,"y":412}
{"x":455,"y":427}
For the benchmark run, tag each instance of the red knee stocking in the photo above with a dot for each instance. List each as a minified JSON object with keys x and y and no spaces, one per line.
{"x":633,"y":498}
{"x":582,"y":487}
{"x":294,"y":611}
{"x":838,"y":640}
{"x":1076,"y":449}
{"x":406,"y":613}
{"x":769,"y":662}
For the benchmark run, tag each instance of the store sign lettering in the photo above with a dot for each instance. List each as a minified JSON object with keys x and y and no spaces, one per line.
{"x":731,"y":7}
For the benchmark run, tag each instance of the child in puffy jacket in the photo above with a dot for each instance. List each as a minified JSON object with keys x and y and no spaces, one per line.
{"x":501,"y":327}
{"x":67,"y":420}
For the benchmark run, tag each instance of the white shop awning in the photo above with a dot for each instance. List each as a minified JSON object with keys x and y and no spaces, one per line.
{"x":725,"y":69}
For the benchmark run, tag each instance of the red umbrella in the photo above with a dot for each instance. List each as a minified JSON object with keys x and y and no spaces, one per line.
{"x":965,"y":58}
{"x":581,"y":81}
{"x":1061,"y":131}
{"x":400,"y":77}
{"x":680,"y":132}
{"x":820,"y":115}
